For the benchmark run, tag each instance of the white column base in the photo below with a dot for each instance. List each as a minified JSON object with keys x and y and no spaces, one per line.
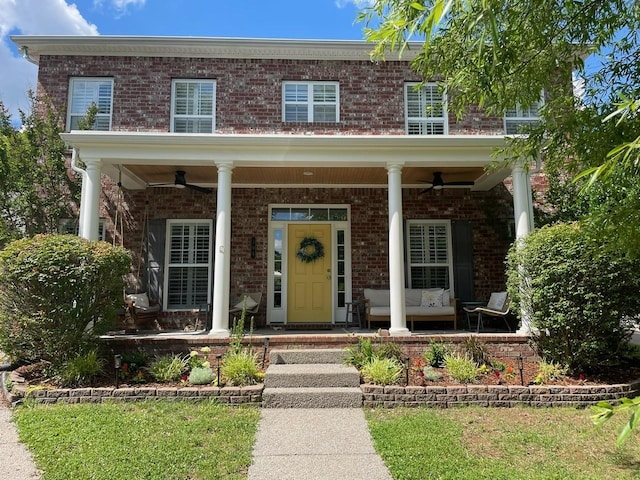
{"x":399,"y":332}
{"x":223,"y":333}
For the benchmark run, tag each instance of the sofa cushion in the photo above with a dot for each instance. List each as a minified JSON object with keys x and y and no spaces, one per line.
{"x":377,"y":298}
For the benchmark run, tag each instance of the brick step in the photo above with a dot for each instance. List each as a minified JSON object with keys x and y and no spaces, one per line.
{"x":333,"y":355}
{"x":311,"y":375}
{"x":336,"y":397}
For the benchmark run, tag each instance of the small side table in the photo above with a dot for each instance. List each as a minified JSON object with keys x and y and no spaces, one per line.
{"x":353,"y":309}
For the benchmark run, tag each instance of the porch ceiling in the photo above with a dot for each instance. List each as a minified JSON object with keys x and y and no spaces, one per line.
{"x":143,"y":159}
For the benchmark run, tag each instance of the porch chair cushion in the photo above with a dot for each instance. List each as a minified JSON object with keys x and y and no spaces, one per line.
{"x":250,"y":303}
{"x":497,"y":301}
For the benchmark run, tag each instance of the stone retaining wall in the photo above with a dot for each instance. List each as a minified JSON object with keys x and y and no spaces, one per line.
{"x":226,"y":395}
{"x":496,"y":395}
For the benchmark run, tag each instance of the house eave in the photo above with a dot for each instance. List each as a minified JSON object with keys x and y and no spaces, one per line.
{"x":202,"y":47}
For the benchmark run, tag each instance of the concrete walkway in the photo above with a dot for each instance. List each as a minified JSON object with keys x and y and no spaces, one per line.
{"x":315,"y":444}
{"x":16,"y":462}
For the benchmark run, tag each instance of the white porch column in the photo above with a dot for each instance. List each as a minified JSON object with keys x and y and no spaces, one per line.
{"x":396,"y":252}
{"x":222,"y":265}
{"x":523,"y":217}
{"x":90,"y":200}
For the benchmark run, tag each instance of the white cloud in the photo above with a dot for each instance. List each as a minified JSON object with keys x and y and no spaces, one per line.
{"x":120,"y":6}
{"x":361,"y":4}
{"x":31,"y":17}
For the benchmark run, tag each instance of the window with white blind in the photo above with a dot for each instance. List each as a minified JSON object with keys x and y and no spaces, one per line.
{"x":517,"y":118}
{"x":430,"y":262}
{"x":193,"y":106}
{"x":310,"y":102}
{"x":83,"y":92}
{"x":188,"y":271}
{"x":426,"y":109}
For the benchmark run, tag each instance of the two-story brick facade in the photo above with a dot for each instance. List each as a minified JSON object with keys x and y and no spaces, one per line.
{"x":284,"y":141}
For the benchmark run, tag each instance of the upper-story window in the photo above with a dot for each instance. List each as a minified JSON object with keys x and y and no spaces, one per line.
{"x":83,"y":92}
{"x":426,"y":109}
{"x":193,"y":106}
{"x":517,"y":118}
{"x":310,"y":102}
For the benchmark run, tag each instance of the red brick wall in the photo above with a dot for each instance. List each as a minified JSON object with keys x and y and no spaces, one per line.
{"x":488,"y":213}
{"x":371,"y":95}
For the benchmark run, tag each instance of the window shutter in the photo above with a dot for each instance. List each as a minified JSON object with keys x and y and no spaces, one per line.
{"x":462,"y":240}
{"x":154,"y":273}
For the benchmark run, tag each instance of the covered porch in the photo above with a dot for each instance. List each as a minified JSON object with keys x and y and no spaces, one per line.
{"x":294,"y":164}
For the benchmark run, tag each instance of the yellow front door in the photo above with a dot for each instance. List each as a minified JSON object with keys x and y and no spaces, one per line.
{"x":309,"y":283}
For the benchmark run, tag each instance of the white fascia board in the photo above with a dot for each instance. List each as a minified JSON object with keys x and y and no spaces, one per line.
{"x":203,"y":47}
{"x":285,"y":150}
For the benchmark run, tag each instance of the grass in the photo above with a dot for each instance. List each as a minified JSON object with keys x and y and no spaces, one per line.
{"x":497,"y":444}
{"x":150,"y":440}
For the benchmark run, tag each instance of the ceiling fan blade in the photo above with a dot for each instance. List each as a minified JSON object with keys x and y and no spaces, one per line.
{"x":428,"y":189}
{"x":459,"y":183}
{"x":198,"y":188}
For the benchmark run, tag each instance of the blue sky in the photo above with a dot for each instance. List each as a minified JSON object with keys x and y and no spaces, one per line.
{"x":317,"y":19}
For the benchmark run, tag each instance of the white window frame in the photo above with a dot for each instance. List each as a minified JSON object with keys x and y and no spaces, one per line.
{"x":520,"y":117}
{"x":449,"y":246}
{"x":310,"y":103}
{"x":426,"y":120}
{"x":71,"y":226}
{"x":194,"y":116}
{"x":169,"y":265}
{"x":78,"y":112}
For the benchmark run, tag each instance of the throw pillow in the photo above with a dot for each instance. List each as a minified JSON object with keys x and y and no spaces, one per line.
{"x":140,"y":300}
{"x":250,"y":302}
{"x":431,"y":298}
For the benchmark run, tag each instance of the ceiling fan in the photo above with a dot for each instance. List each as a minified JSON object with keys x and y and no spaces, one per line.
{"x":181,"y":182}
{"x":438,"y":183}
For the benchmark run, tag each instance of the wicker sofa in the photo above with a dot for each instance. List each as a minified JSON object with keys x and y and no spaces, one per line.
{"x":422,"y":305}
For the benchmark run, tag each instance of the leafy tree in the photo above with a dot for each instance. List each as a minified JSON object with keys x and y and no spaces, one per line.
{"x":37,"y":190}
{"x":499,"y":53}
{"x":57,"y":292}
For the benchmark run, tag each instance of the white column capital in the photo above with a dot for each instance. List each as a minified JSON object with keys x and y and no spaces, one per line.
{"x":225,"y":166}
{"x":394,"y":167}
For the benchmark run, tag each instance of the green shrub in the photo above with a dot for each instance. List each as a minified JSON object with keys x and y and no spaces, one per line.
{"x":436,"y":353}
{"x":240,"y":368}
{"x":57,"y":292}
{"x":81,"y":369}
{"x":549,"y":371}
{"x":390,"y":350}
{"x":462,"y":369}
{"x":168,"y":368}
{"x":382,"y":371}
{"x":577,"y":294}
{"x":201,"y":376}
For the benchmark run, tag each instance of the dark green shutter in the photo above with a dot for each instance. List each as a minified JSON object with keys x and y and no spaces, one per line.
{"x":462,"y":240}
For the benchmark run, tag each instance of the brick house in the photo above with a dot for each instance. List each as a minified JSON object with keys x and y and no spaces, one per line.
{"x":279,"y":141}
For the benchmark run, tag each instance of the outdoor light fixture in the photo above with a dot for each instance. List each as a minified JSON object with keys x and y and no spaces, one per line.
{"x":117,"y":364}
{"x":253,"y":247}
{"x":218,"y":357}
{"x":406,"y":370}
{"x":521,"y":368}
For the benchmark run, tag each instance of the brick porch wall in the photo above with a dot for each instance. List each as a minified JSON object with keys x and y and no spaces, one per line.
{"x":488,"y":212}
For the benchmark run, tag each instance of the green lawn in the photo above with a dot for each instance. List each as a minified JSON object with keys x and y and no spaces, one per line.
{"x":150,"y":440}
{"x":496,"y":444}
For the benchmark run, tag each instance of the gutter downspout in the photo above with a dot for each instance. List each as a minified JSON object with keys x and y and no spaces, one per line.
{"x":82,"y":173}
{"x":25,"y":54}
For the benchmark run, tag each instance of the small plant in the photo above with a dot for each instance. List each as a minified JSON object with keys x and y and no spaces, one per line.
{"x":168,"y":368}
{"x":240,"y":368}
{"x":201,"y":376}
{"x":498,"y":365}
{"x":462,"y":369}
{"x":436,"y":354}
{"x":198,"y":359}
{"x":360,"y":354}
{"x":382,"y":371}
{"x":549,"y":371}
{"x":430,"y":374}
{"x":476,"y":350}
{"x":389,"y":350}
{"x":81,"y":369}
